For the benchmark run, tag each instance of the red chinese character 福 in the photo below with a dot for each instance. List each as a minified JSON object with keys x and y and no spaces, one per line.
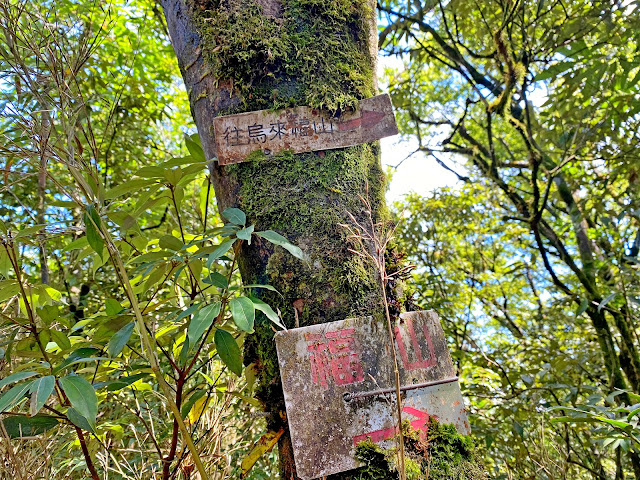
{"x":334,"y":355}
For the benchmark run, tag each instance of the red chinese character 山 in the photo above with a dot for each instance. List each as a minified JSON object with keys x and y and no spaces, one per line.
{"x":335,"y":356}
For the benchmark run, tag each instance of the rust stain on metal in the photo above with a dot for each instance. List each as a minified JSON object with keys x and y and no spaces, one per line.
{"x":339,"y":389}
{"x":301,"y":129}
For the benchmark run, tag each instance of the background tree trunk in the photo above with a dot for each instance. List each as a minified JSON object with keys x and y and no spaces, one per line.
{"x":245,"y":55}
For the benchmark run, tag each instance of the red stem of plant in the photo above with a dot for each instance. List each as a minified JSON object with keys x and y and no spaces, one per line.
{"x":87,"y":456}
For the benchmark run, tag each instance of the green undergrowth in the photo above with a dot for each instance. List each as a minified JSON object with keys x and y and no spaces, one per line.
{"x":443,"y":454}
{"x":308,"y":52}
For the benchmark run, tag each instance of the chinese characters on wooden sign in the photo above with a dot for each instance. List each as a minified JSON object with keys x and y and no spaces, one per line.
{"x":301,"y":129}
{"x":339,"y":389}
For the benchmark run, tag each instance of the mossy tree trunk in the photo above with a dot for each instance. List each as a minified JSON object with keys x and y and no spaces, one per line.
{"x":245,"y":55}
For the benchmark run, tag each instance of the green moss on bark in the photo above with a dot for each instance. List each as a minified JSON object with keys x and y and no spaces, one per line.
{"x":306,"y":52}
{"x":306,"y":197}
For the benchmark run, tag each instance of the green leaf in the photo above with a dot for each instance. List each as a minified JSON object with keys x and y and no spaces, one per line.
{"x":16,"y":377}
{"x":151,"y":172}
{"x":201,"y":322}
{"x":113,"y":307}
{"x":243,"y":313}
{"x":28,"y":231}
{"x":188,"y":405}
{"x":61,"y":339}
{"x":268,"y":311}
{"x":584,"y":304}
{"x":93,"y":236}
{"x":245,"y":234}
{"x":20,"y":426}
{"x":228,"y":351}
{"x":216,"y":279}
{"x":235,"y":216}
{"x":5,"y":263}
{"x":606,"y":300}
{"x":40,"y":391}
{"x":120,"y":339}
{"x":220,"y":251}
{"x":170,"y":242}
{"x":79,"y":420}
{"x":76,"y":244}
{"x":278,"y":239}
{"x":14,"y":395}
{"x":82,"y":397}
{"x":121,"y":383}
{"x":128,"y":187}
{"x":553,"y":71}
{"x":193,"y":145}
{"x":86,"y":353}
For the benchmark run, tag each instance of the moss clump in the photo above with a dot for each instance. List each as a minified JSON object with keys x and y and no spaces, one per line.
{"x":310,"y":52}
{"x":443,"y":454}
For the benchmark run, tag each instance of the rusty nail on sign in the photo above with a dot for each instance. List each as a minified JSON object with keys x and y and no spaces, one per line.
{"x":338,"y":385}
{"x":301,"y":129}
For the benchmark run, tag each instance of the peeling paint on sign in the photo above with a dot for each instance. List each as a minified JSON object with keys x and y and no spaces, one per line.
{"x":301,"y":129}
{"x":339,"y":389}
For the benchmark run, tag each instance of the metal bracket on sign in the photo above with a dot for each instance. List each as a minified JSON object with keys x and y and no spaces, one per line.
{"x":352,"y":396}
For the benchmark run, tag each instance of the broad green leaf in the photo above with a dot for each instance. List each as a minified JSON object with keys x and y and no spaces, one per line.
{"x":220,"y":251}
{"x":93,"y":236}
{"x":77,"y":244}
{"x":606,"y":300}
{"x":20,"y":426}
{"x":85,"y":353}
{"x":122,"y":382}
{"x":553,"y":71}
{"x":120,"y":339}
{"x":243,"y":313}
{"x":169,"y":242}
{"x":228,"y":351}
{"x":245,"y":234}
{"x":79,"y":420}
{"x":584,"y":304}
{"x":5,"y":263}
{"x":82,"y":396}
{"x":28,"y":231}
{"x":187,"y":312}
{"x":113,"y":307}
{"x":16,"y":377}
{"x":201,"y":322}
{"x":14,"y":395}
{"x":268,"y":311}
{"x":193,"y":145}
{"x":278,"y":239}
{"x":151,"y":172}
{"x":235,"y":216}
{"x":40,"y":391}
{"x":188,"y":405}
{"x":127,"y":188}
{"x":61,"y":339}
{"x":216,"y":279}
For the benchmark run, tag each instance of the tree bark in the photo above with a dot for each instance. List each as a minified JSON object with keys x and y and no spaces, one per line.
{"x":246,"y":55}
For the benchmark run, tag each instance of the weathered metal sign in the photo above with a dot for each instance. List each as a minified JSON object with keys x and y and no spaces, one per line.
{"x":301,"y":129}
{"x":339,"y":388}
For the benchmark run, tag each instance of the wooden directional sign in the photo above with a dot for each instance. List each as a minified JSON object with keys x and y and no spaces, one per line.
{"x":339,"y":386}
{"x":301,"y":129}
